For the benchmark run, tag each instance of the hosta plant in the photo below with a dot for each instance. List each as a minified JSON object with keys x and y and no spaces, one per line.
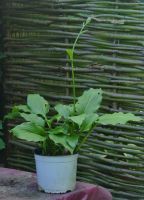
{"x":61,"y":133}
{"x":70,"y":126}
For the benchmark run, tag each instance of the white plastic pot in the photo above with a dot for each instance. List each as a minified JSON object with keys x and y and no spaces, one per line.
{"x":56,"y":174}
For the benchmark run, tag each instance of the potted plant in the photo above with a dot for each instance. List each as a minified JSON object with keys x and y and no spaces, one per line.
{"x":61,"y":136}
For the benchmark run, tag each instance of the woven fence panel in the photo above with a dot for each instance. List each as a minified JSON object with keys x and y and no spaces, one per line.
{"x":1,"y":59}
{"x":1,"y":69}
{"x":110,"y":55}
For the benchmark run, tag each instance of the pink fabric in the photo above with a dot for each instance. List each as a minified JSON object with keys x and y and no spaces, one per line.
{"x":85,"y":191}
{"x":26,"y":182}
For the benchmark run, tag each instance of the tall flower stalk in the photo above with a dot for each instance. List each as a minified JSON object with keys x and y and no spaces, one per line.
{"x":70,"y":53}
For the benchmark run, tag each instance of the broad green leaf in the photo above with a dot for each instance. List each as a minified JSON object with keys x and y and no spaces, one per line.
{"x":2,"y":144}
{"x":13,"y":114}
{"x":89,"y":102}
{"x":62,"y":140}
{"x":16,"y":110}
{"x":72,"y":140}
{"x":64,"y":110}
{"x":33,"y":118}
{"x":78,"y":119}
{"x":89,"y":120}
{"x":68,"y":142}
{"x":117,"y":118}
{"x":37,"y":104}
{"x":29,"y":132}
{"x":70,"y":53}
{"x":59,"y":130}
{"x":23,"y":108}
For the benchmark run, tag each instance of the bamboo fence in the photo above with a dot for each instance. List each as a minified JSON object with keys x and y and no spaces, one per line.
{"x":110,"y":55}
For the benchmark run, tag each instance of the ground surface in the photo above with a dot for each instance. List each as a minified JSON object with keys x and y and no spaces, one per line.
{"x":19,"y":185}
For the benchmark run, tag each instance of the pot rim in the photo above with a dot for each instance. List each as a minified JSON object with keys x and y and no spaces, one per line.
{"x":60,"y":156}
{"x":57,"y":156}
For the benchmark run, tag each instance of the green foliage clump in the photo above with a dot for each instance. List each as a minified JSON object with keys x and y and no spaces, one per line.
{"x":60,"y":134}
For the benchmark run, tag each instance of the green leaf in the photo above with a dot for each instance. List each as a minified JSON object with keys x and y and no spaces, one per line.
{"x":29,"y":132}
{"x":89,"y":120}
{"x":13,"y":114}
{"x":89,"y":102}
{"x":72,"y":140}
{"x":58,"y":130}
{"x":78,"y":119}
{"x":68,"y":142}
{"x":70,"y":53}
{"x":2,"y":144}
{"x":23,"y":108}
{"x":117,"y":118}
{"x":16,"y":110}
{"x":64,"y":110}
{"x":33,"y":118}
{"x":37,"y":104}
{"x":60,"y":139}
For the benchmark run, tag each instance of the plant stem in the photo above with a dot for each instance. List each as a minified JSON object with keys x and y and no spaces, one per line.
{"x":74,"y":86}
{"x":84,"y":140}
{"x":72,"y":65}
